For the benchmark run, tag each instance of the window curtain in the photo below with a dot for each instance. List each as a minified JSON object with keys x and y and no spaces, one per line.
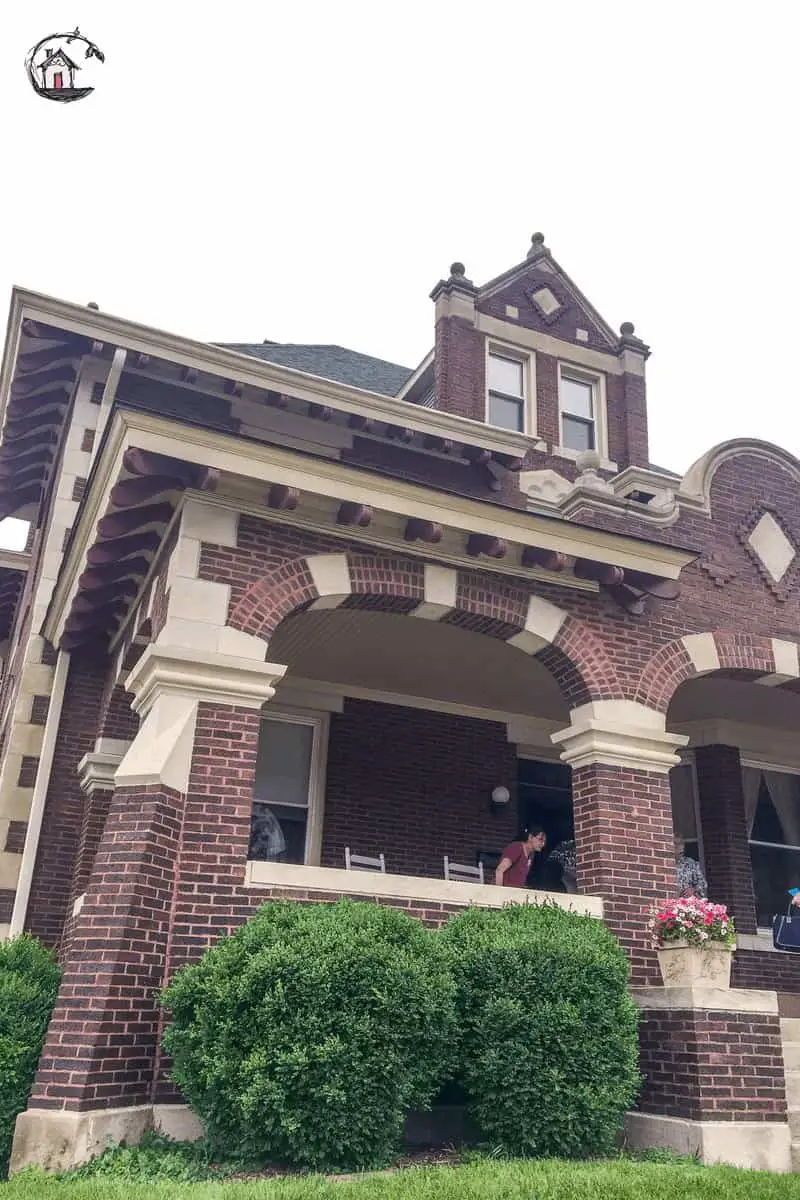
{"x":751,"y":785}
{"x":783,"y":791}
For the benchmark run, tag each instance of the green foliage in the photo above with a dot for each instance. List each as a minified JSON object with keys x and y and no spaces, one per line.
{"x":548,"y":1049}
{"x":544,"y":1179}
{"x":29,"y":980}
{"x":307,"y":1036}
{"x":155,"y":1158}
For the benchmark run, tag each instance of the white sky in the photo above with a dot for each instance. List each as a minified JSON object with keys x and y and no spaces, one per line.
{"x":307,"y":171}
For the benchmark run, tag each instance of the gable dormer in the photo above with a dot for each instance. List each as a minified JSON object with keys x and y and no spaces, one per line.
{"x":527,"y":351}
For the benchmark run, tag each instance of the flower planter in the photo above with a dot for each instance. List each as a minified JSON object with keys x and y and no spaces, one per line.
{"x":684,"y":966}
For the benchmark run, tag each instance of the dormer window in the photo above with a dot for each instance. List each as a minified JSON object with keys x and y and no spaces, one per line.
{"x":508,"y":389}
{"x":577,"y":413}
{"x":582,"y":410}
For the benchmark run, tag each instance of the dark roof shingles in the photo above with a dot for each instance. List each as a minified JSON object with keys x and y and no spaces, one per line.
{"x":331,"y":362}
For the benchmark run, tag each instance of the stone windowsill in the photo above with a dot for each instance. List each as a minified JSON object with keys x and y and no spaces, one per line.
{"x":415,"y":888}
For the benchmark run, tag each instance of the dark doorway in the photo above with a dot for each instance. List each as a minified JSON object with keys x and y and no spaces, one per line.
{"x":545,"y":798}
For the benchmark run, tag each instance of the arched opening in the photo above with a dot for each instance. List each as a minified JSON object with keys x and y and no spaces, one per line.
{"x":391,"y":731}
{"x":736,"y":796}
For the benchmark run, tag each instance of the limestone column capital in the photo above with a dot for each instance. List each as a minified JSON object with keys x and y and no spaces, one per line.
{"x":619,"y":733}
{"x":200,"y":675}
{"x":96,"y":769}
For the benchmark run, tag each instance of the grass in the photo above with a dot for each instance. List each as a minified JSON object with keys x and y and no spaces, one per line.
{"x":482,"y":1179}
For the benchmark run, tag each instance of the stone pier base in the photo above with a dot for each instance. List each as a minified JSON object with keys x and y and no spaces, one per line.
{"x":759,"y":1145}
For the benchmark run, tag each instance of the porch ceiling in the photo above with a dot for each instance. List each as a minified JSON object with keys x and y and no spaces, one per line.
{"x":408,"y":656}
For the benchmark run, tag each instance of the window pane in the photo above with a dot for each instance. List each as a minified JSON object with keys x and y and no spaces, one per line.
{"x":775,"y":870}
{"x":278,"y":833}
{"x":507,"y":414}
{"x":283,"y":765}
{"x":576,"y":397}
{"x":577,"y":434}
{"x":506,"y":375}
{"x":684,"y":820}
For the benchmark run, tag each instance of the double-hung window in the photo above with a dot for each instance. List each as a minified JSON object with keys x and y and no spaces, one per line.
{"x":507,"y":398}
{"x":289,"y":788}
{"x":580,"y":400}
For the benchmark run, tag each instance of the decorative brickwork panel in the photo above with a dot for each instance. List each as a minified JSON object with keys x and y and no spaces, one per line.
{"x":724,"y":826}
{"x":15,"y":838}
{"x":712,"y":1066}
{"x":6,"y":904}
{"x":624,"y":841}
{"x":101,"y":1044}
{"x":27,"y":771}
{"x":63,"y":814}
{"x":434,"y":775}
{"x":39,"y":710}
{"x":79,"y":488}
{"x":87,"y":441}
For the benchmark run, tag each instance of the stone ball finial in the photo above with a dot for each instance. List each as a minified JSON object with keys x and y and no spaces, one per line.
{"x":92,"y":304}
{"x":537,"y":239}
{"x":626,"y":328}
{"x":457,"y":270}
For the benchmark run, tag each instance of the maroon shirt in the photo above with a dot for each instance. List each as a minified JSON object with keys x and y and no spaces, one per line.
{"x":517,"y":873}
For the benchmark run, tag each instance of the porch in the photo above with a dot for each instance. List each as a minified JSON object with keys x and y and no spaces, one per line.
{"x":390,"y":735}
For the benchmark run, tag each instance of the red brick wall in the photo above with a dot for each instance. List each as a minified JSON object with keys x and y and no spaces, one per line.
{"x":724,"y":827}
{"x":632,"y":446}
{"x":624,"y":843}
{"x":423,"y":794}
{"x":712,"y":1065}
{"x":101,"y":1043}
{"x":460,"y":368}
{"x":63,"y":812}
{"x":774,"y":972}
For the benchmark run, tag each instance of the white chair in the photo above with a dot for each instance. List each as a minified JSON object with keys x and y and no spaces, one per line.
{"x":363,"y":862}
{"x":463,"y":873}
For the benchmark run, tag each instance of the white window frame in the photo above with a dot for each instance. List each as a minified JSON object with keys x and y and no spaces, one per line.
{"x":527,"y":361}
{"x":320,"y":725}
{"x":597,"y":381}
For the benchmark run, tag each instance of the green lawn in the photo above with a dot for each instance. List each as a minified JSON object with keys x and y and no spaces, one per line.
{"x":484,"y":1180}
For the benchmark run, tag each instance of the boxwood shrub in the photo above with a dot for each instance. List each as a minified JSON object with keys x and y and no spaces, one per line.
{"x":29,"y":979}
{"x":548,"y":1047}
{"x":307,"y":1036}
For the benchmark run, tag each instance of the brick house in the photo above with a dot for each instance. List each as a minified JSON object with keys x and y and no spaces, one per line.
{"x":372,"y":601}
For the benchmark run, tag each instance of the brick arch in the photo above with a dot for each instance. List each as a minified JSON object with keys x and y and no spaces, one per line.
{"x":749,"y":655}
{"x":563,"y":643}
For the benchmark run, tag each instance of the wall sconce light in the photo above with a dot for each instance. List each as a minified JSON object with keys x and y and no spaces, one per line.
{"x":499,"y":799}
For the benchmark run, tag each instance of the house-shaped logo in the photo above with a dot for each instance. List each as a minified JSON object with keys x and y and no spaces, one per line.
{"x":60,"y":66}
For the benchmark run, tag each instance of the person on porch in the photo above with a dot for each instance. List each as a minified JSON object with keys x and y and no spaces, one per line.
{"x":515,"y":862}
{"x":691,"y":880}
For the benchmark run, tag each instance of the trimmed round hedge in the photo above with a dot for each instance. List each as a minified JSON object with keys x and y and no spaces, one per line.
{"x":548,"y":1046}
{"x":29,"y":978}
{"x":307,"y":1036}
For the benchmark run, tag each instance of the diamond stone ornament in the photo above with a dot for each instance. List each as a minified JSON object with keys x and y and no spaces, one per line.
{"x":771,"y":546}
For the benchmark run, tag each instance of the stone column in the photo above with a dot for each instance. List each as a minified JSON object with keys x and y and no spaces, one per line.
{"x":96,"y":1076}
{"x":620,"y":754}
{"x":723,"y":821}
{"x":714,"y":1077}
